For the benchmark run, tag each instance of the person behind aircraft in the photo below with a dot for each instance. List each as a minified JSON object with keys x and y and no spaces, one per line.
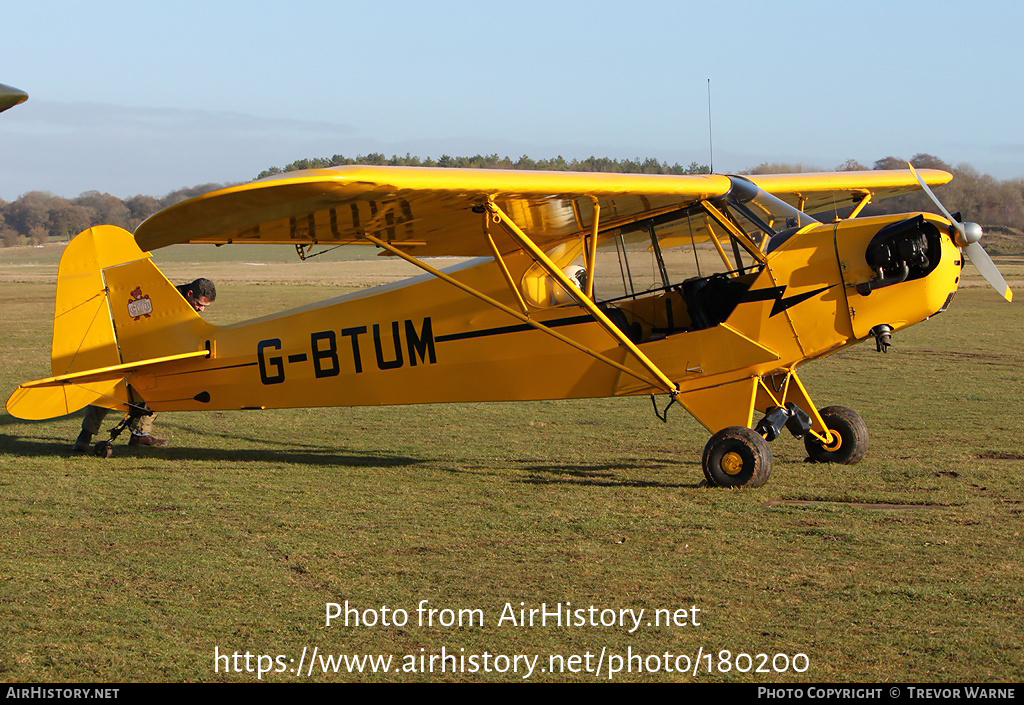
{"x":199,"y":294}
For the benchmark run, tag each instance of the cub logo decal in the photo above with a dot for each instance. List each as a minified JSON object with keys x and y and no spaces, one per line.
{"x":139,"y":304}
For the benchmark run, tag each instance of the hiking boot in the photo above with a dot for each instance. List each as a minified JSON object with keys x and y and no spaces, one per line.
{"x":137,"y":440}
{"x":82,"y":442}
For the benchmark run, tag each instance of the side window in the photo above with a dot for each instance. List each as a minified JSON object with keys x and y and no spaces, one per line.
{"x":540,"y":290}
{"x":676,"y":275}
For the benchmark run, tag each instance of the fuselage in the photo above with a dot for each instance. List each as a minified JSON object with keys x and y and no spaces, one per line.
{"x":424,"y":340}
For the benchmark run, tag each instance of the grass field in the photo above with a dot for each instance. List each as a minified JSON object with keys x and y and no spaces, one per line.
{"x":144,"y":567}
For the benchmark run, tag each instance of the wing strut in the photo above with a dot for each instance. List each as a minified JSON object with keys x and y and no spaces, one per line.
{"x":542,"y":259}
{"x":591,"y":252}
{"x":504,"y":269}
{"x":865,"y":199}
{"x":737,"y":234}
{"x":655,"y":381}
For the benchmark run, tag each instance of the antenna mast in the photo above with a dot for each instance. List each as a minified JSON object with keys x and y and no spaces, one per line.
{"x":711,"y":144}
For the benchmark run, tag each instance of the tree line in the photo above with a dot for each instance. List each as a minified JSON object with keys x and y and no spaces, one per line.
{"x":38,"y":217}
{"x":493,"y":161}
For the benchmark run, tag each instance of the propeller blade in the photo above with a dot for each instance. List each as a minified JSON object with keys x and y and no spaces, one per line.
{"x":980,"y":259}
{"x":938,"y":204}
{"x":971,"y":247}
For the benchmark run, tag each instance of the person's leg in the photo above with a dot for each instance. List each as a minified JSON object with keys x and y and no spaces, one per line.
{"x":94,"y":416}
{"x":142,"y":435}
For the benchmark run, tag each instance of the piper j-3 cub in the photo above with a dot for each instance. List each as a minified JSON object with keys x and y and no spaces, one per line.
{"x":558,"y":300}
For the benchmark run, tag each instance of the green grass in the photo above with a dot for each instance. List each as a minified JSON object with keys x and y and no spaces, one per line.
{"x":234,"y":538}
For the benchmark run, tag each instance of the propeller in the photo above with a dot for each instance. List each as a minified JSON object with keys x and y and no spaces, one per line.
{"x":968,"y":236}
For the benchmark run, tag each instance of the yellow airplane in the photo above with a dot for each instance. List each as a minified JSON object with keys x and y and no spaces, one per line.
{"x":711,"y":290}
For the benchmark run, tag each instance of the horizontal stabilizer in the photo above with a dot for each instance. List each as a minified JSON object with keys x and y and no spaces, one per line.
{"x":65,"y":394}
{"x":47,"y":402}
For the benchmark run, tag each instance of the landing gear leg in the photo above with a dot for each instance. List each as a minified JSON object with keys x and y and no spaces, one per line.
{"x":737,"y":457}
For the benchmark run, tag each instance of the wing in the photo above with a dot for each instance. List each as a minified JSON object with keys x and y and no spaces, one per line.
{"x":425,"y":211}
{"x":816,"y":193}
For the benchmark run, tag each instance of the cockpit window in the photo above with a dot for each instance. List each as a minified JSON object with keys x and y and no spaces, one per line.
{"x":687,"y":269}
{"x":762,"y":216}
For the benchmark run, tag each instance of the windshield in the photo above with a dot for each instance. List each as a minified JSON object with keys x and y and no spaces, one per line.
{"x":762,"y":215}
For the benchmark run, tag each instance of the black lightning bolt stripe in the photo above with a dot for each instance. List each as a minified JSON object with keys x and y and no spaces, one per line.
{"x":776,"y":293}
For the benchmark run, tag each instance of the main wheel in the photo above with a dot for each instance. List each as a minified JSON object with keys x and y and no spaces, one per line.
{"x":737,"y":457}
{"x":849,"y":437}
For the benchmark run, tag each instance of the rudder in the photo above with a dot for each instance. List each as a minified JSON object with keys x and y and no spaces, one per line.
{"x":83,"y":331}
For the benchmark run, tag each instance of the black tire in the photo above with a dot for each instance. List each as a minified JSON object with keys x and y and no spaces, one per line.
{"x":104,"y":449}
{"x":853,"y":437}
{"x":737,"y":457}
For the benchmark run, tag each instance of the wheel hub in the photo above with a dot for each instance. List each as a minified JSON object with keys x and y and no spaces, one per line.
{"x":732,"y":463}
{"x":834,"y":442}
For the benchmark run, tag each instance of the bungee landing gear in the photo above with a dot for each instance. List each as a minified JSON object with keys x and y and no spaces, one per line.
{"x":741,"y":457}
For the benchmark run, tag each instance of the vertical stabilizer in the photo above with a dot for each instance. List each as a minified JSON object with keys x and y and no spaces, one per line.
{"x":83,"y":330}
{"x":114,"y":306}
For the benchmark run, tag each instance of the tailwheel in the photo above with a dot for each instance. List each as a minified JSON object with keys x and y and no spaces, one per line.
{"x":103,"y":449}
{"x":737,"y":457}
{"x":848,"y":437}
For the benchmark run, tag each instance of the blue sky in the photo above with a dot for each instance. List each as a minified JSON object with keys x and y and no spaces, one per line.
{"x":130,"y":97}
